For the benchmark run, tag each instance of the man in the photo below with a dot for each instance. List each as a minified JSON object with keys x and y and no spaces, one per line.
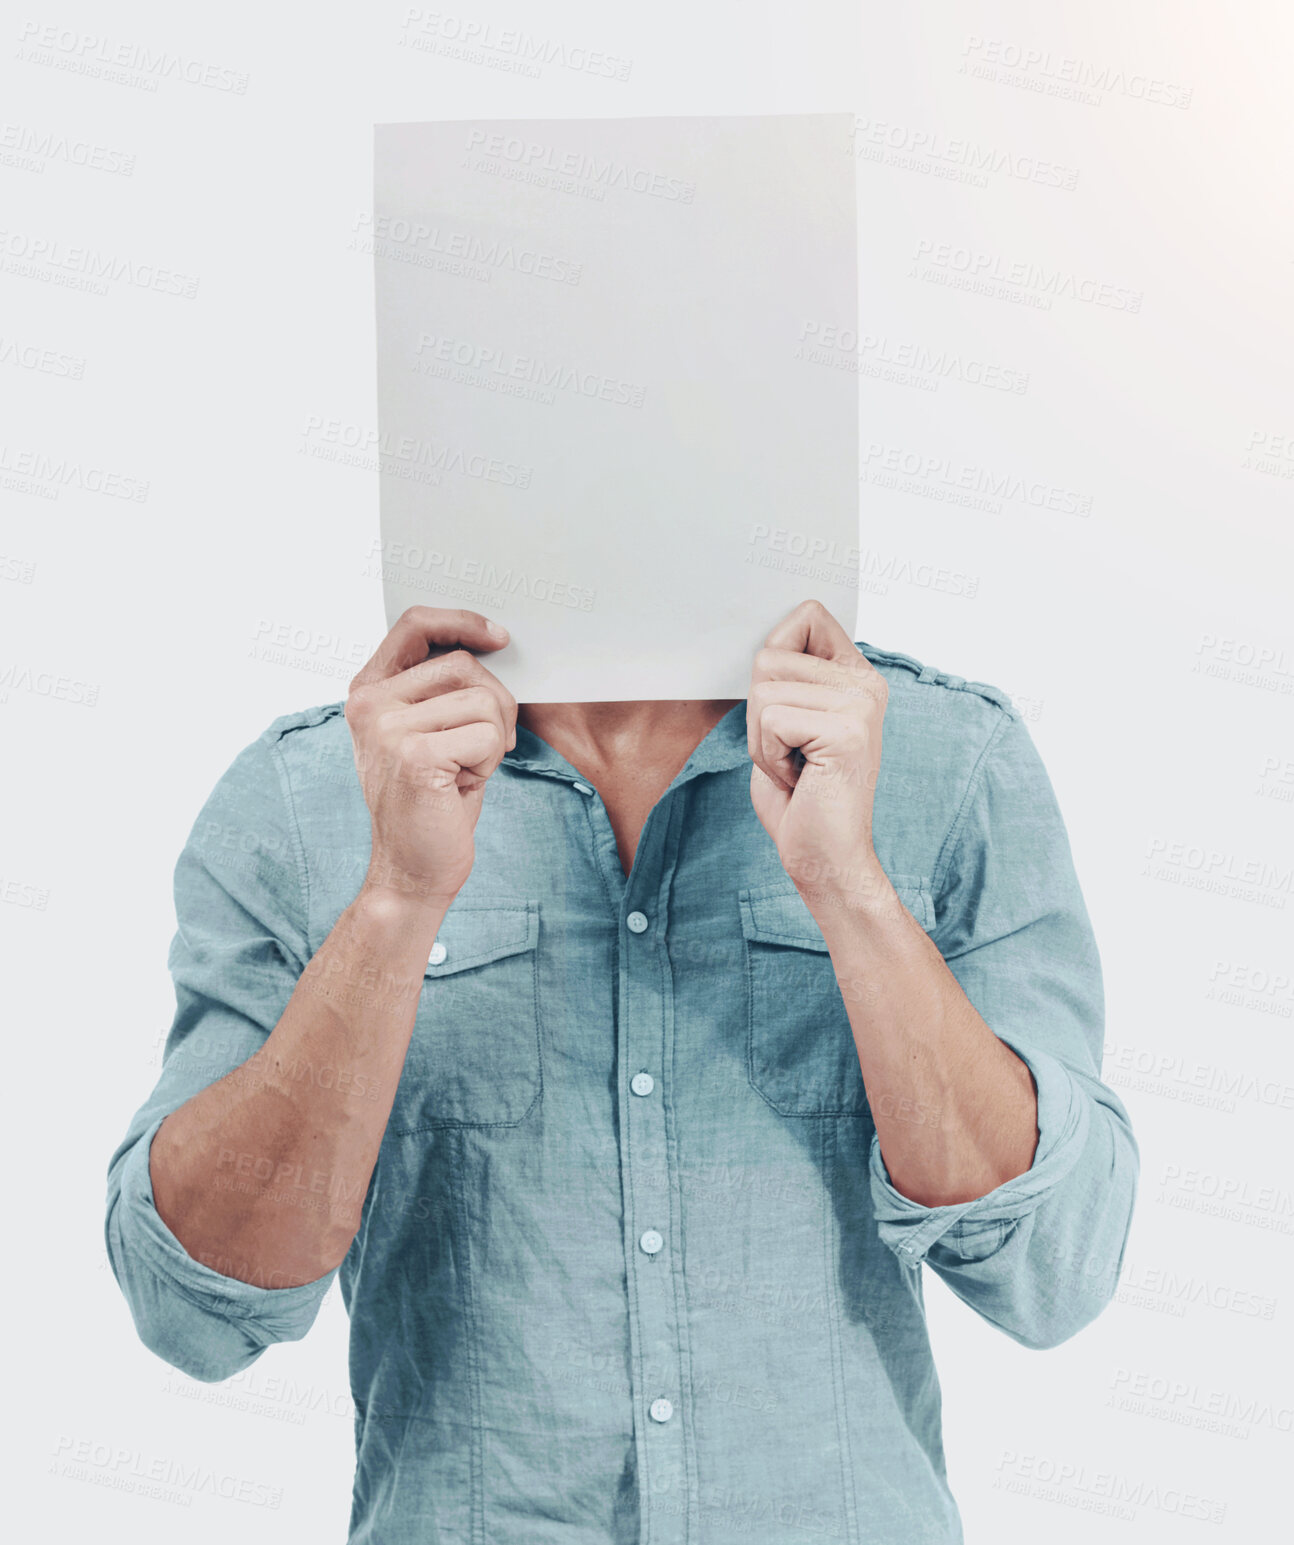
{"x":628,"y":1062}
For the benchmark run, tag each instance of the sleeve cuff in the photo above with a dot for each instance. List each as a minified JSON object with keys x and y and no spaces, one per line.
{"x":285,"y":1313}
{"x":910,"y":1229}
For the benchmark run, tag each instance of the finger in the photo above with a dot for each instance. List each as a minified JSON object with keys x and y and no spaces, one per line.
{"x":451,"y":710}
{"x":797,"y":694}
{"x":446,"y":673}
{"x":811,"y":629}
{"x":460,"y":757}
{"x":442,"y":676}
{"x":421,"y":629}
{"x":466,"y":708}
{"x":466,"y":730}
{"x":782,"y":729}
{"x":475,"y":749}
{"x":854,"y":677}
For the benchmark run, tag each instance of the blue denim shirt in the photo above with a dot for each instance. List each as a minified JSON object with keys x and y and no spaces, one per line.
{"x":630,"y":1266}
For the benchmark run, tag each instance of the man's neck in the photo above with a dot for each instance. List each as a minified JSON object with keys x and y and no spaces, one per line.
{"x":597,"y":738}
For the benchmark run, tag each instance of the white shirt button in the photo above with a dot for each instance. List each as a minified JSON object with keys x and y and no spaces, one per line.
{"x":642,"y":1083}
{"x":651,"y":1241}
{"x":582,"y":788}
{"x":661,"y":1410}
{"x":637,"y":921}
{"x":438,"y":953}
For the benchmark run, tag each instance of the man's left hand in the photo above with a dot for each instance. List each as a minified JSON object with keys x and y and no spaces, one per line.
{"x":813,"y":728}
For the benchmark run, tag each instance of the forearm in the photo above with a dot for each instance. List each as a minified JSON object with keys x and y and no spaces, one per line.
{"x":954,"y":1107}
{"x":262,"y":1175}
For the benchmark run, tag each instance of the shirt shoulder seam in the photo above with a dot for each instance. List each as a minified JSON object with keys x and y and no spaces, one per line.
{"x":303,"y":719}
{"x":294,"y":827}
{"x":955,"y":831}
{"x":930,"y":676}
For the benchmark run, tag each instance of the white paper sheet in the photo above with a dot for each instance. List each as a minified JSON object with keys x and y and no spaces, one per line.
{"x":599,"y":419}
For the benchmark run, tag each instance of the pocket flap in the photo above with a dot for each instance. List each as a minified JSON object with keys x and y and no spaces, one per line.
{"x":778,"y":914}
{"x":474,"y":933}
{"x":914,"y":893}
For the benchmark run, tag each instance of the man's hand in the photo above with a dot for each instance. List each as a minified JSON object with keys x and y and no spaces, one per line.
{"x":427,"y":734}
{"x":814,"y":694}
{"x":922,"y":1045}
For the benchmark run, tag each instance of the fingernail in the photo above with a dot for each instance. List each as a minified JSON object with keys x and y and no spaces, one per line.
{"x":497,"y":629}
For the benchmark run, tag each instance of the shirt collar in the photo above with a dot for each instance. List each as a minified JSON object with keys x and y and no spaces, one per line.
{"x":723,"y":747}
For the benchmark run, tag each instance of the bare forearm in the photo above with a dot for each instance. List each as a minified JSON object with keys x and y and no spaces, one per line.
{"x":955,"y":1108}
{"x":263,"y":1174}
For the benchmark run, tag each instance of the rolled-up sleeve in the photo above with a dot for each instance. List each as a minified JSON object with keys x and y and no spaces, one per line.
{"x":238,"y":951}
{"x":1039,"y":1256}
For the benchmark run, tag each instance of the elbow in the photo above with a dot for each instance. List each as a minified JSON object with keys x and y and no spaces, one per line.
{"x":1078,"y":1292}
{"x":193,"y":1351}
{"x":193,"y":1340}
{"x":1046,"y":1332}
{"x":1050,"y":1274}
{"x":185,"y":1335}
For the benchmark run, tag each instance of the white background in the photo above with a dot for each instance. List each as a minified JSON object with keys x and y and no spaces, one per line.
{"x":1121,"y":152}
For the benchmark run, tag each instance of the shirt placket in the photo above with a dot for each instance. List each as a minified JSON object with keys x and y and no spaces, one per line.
{"x":658,"y":1353}
{"x":659,"y":1348}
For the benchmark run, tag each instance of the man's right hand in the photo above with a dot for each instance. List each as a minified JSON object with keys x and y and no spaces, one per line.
{"x":427,"y":734}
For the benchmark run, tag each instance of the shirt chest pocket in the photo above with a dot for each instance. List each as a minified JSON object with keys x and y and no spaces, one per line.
{"x":474,"y":1057}
{"x":801,"y":1056}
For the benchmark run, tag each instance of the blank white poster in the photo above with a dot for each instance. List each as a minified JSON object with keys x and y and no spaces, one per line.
{"x":598,"y":418}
